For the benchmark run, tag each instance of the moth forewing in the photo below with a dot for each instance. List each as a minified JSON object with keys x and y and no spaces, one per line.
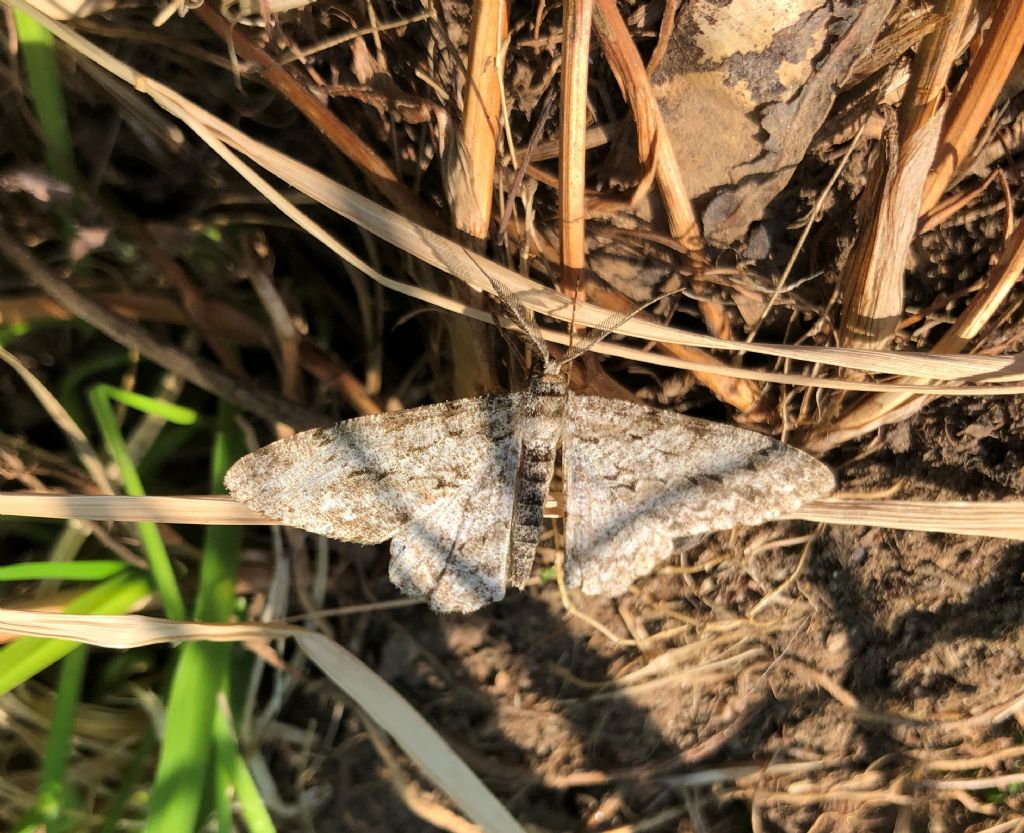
{"x":638,"y":478}
{"x":437,"y":480}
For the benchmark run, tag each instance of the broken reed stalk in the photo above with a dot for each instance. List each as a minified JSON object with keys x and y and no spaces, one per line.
{"x":872,"y":279}
{"x":577,"y":17}
{"x":873,"y":275}
{"x":933,"y":62}
{"x":469,"y":170}
{"x":973,"y":102}
{"x":469,"y":175}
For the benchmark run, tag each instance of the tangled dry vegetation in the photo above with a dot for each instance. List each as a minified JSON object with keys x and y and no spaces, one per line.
{"x":265,"y":216}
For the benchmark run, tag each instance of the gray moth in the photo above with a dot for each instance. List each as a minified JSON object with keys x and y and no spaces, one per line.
{"x":459,"y":487}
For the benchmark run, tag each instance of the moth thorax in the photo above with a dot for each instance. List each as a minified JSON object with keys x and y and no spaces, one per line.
{"x":548,"y":384}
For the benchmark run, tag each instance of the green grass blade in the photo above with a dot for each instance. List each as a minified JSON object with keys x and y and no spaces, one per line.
{"x":67,"y":571}
{"x":222,"y":790}
{"x":149,"y":535}
{"x":23,"y":659}
{"x":225,"y":544}
{"x":222,"y":545}
{"x":43,"y":73}
{"x":254,"y":812}
{"x":53,"y":796}
{"x":170,"y":411}
{"x":183,"y":766}
{"x":163,"y":571}
{"x":183,"y":771}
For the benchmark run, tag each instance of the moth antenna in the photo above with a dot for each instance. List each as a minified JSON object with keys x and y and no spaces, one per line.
{"x":519,"y":314}
{"x":609,"y":325}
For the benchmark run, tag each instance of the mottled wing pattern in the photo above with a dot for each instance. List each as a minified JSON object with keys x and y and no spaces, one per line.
{"x":636,"y":478}
{"x":439,"y":480}
{"x":457,"y":554}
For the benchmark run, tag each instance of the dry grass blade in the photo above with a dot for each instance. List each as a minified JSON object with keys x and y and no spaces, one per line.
{"x":376,"y":698}
{"x":414,"y":734}
{"x":725,"y":774}
{"x":634,"y":354}
{"x":995,"y":519}
{"x":195,"y":509}
{"x":992,"y":519}
{"x":477,"y":271}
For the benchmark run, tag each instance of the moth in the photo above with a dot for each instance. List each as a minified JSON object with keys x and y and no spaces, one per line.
{"x":460,"y":487}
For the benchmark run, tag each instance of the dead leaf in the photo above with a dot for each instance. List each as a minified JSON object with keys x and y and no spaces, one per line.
{"x":744,"y":86}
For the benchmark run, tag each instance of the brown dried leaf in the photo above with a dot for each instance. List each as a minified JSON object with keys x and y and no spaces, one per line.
{"x":715,"y":88}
